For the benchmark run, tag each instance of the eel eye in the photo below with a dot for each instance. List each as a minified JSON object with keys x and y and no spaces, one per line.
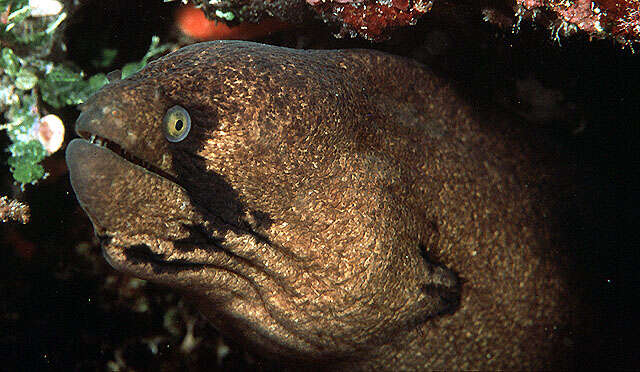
{"x":176,"y":124}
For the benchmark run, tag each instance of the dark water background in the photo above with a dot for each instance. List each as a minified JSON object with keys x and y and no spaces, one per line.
{"x":63,"y":308}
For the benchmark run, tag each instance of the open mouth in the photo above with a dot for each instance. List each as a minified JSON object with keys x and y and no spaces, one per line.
{"x":117,"y":149}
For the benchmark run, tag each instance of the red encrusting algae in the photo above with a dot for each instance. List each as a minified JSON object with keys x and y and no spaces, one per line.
{"x":373,"y":18}
{"x":615,"y":18}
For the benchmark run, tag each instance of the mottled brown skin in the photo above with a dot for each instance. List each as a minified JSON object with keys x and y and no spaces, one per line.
{"x":344,"y":209}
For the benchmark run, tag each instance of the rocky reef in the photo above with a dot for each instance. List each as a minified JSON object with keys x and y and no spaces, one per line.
{"x":376,"y":19}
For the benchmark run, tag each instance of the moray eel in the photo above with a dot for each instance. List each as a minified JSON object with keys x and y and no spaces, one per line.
{"x":340,"y":209}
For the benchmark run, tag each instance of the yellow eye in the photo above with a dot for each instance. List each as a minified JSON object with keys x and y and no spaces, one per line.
{"x":176,"y":124}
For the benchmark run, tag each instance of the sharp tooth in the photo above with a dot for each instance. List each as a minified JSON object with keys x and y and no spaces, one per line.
{"x":92,"y":139}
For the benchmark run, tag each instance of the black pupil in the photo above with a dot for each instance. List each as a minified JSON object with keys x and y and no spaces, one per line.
{"x":179,"y":125}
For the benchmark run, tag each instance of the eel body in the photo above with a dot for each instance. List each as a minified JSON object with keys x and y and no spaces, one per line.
{"x":338,"y":209}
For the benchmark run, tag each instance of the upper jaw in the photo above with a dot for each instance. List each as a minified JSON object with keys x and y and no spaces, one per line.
{"x":103,"y":116}
{"x":107,"y":122}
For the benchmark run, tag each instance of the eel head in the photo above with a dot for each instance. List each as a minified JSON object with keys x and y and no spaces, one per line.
{"x":248,"y":176}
